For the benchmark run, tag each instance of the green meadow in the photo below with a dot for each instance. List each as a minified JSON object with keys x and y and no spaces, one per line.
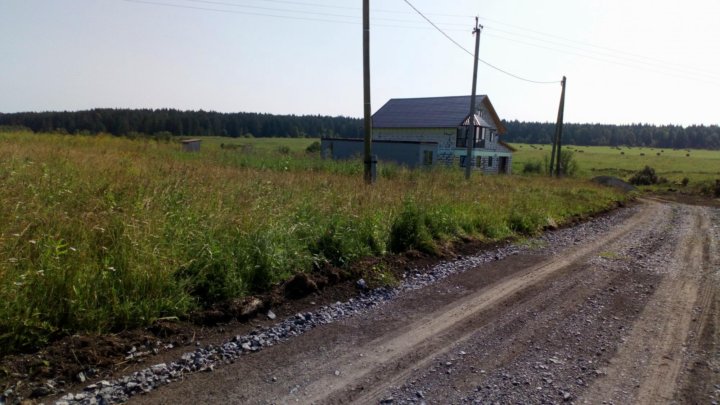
{"x":100,"y":233}
{"x":701,"y":167}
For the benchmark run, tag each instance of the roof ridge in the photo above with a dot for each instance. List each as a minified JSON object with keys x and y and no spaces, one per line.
{"x":436,"y":97}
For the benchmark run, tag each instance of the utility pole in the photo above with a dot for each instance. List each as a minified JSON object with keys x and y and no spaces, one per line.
{"x":470,"y":136}
{"x":368,"y":172}
{"x":552,"y":154}
{"x":559,"y":128}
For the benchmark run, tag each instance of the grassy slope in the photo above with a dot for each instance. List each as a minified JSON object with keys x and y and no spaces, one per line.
{"x":103,"y":233}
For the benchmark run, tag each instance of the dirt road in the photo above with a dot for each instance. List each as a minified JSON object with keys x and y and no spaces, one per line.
{"x":625,"y":313}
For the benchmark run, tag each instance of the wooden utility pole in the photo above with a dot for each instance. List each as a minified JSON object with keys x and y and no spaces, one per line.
{"x":551,"y":172}
{"x":368,"y":172}
{"x":559,"y":129}
{"x":470,"y":135}
{"x":555,"y":154}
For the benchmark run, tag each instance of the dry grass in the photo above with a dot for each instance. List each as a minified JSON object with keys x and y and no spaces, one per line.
{"x":103,"y":233}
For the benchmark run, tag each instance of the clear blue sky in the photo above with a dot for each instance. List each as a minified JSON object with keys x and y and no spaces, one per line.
{"x":626,"y":61}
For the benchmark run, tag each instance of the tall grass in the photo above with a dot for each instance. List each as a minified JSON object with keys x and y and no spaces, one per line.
{"x":101,"y":233}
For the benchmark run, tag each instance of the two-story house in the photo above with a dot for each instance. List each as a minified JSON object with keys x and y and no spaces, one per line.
{"x":434,"y":130}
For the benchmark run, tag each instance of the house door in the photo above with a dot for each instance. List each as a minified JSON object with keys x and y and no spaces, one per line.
{"x":503,"y":163}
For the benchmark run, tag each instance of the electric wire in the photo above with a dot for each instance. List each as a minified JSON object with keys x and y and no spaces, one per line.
{"x":629,"y":56}
{"x":472,"y":55}
{"x":633,"y":61}
{"x":238,"y":12}
{"x":618,"y":63}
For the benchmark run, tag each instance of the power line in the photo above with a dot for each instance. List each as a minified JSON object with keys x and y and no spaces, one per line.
{"x":238,"y":12}
{"x":322,"y":14}
{"x":636,"y":59}
{"x":637,"y":65}
{"x":471,"y":54}
{"x":629,"y":62}
{"x":590,"y":45}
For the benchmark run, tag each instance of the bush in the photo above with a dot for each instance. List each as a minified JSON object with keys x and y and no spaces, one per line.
{"x":533,"y":167}
{"x":313,"y":147}
{"x":685,"y":181}
{"x":568,"y":164}
{"x":284,"y":150}
{"x":644,"y":177}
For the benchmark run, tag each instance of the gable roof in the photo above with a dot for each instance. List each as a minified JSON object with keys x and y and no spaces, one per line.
{"x":430,"y":112}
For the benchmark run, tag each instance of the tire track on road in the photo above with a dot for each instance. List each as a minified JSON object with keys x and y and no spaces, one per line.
{"x":421,"y":339}
{"x":648,"y":365}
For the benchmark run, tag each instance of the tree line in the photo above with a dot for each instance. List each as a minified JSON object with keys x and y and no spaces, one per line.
{"x":662,"y":136}
{"x":243,"y":124}
{"x":176,"y":122}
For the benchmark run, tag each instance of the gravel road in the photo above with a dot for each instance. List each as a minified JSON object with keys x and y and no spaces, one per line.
{"x":621,"y":309}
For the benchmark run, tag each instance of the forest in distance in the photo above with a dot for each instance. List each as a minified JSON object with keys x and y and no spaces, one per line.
{"x":166,"y":122}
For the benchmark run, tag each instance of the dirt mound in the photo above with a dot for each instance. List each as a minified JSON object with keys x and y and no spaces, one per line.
{"x":614,"y":182}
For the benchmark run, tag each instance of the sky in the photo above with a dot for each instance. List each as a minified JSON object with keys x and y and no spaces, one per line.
{"x":626,"y":61}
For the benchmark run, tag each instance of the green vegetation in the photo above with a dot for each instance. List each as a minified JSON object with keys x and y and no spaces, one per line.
{"x":157,"y":123}
{"x":689,"y":170}
{"x":635,"y":135}
{"x":103,"y":233}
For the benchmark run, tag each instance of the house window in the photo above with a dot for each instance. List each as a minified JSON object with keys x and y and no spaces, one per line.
{"x":490,"y":161}
{"x":462,"y":161}
{"x":478,"y":137}
{"x":461,"y":140}
{"x":427,"y":157}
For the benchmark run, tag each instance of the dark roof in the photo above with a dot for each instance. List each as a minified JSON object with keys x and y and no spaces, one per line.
{"x":430,"y":112}
{"x":378,"y":141}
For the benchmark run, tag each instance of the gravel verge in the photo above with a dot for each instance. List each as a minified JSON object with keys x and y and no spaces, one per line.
{"x":207,"y":358}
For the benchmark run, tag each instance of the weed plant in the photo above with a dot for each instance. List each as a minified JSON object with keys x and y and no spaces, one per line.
{"x":101,"y":233}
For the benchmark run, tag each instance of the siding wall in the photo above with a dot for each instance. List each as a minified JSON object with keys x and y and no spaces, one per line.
{"x":444,"y":137}
{"x":406,"y":153}
{"x":447,"y":153}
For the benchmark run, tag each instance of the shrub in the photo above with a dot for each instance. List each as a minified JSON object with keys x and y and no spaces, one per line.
{"x":644,"y":177}
{"x":533,"y":167}
{"x":283,"y":150}
{"x":313,"y":147}
{"x":568,"y":164}
{"x":685,"y":181}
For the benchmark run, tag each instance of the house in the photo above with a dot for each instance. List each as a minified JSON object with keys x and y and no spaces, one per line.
{"x":429,"y":131}
{"x":191,"y":145}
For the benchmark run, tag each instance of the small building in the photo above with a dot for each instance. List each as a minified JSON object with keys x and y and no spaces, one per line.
{"x":191,"y":145}
{"x":434,"y":130}
{"x":407,"y":153}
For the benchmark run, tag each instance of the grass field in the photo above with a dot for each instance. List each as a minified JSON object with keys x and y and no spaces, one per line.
{"x":103,"y":233}
{"x":701,"y":167}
